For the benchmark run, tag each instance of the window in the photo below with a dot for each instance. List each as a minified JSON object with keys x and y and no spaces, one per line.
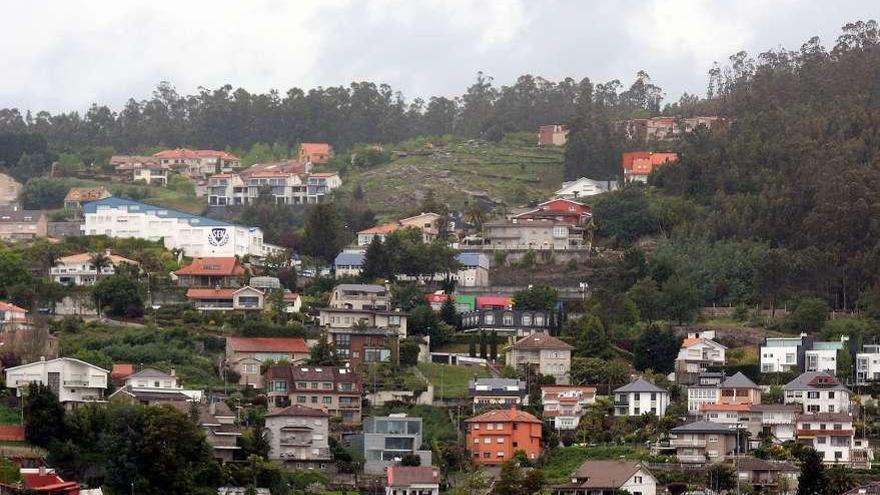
{"x":487,"y":440}
{"x":812,"y":395}
{"x":499,"y":440}
{"x":526,"y":320}
{"x":327,"y":399}
{"x":653,"y":396}
{"x":830,"y":395}
{"x":301,"y":399}
{"x":838,"y":426}
{"x":279,"y":386}
{"x":507,"y":319}
{"x":314,"y":399}
{"x":487,"y":455}
{"x":499,"y":454}
{"x":807,"y":426}
{"x":813,"y":408}
{"x":637,"y":479}
{"x":489,"y":319}
{"x":490,"y":426}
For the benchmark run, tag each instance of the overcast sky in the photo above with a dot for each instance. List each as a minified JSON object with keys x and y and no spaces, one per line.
{"x":64,"y":55}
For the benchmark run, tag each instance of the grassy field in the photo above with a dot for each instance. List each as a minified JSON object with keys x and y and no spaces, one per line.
{"x":161,"y":196}
{"x":511,"y":173}
{"x":9,"y":416}
{"x":451,"y":382}
{"x":563,"y":461}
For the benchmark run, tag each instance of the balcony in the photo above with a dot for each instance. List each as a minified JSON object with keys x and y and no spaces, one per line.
{"x":75,"y":383}
{"x":687,"y":442}
{"x":691,"y":458}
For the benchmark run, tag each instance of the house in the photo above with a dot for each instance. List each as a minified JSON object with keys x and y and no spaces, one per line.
{"x":584,"y":188}
{"x":299,"y":437}
{"x":213,"y":272}
{"x":148,"y":396}
{"x":534,"y":234}
{"x":738,"y":389}
{"x":776,"y":421}
{"x":474,"y":270}
{"x":833,"y":437}
{"x":319,"y":185}
{"x":349,"y":262}
{"x":76,"y":196}
{"x":566,"y":405}
{"x":494,"y":436}
{"x":360,"y":296}
{"x":608,"y":478}
{"x":817,"y":392}
{"x":196,"y":236}
{"x":768,"y":476}
{"x":822,"y":356}
{"x":292,"y":302}
{"x":243,"y":299}
{"x":495,"y":393}
{"x":494,"y":302}
{"x":868,"y":364}
{"x":197,"y":163}
{"x":120,"y":372}
{"x":79,"y":269}
{"x":704,"y":390}
{"x":336,"y":391}
{"x":153,"y":379}
{"x":640,"y":397}
{"x":557,"y":210}
{"x":46,"y":480}
{"x":152,"y":174}
{"x":387,"y":439}
{"x":125,"y":164}
{"x":11,"y":316}
{"x":22,"y":225}
{"x":704,"y":442}
{"x":544,"y":353}
{"x":412,"y":480}
{"x":218,"y":423}
{"x":552,"y":135}
{"x":364,"y":344}
{"x":427,"y":223}
{"x":780,"y":354}
{"x":638,"y":165}
{"x":698,"y":352}
{"x":665,"y":128}
{"x":508,"y":322}
{"x":315,"y":153}
{"x":245,"y":355}
{"x":72,"y":380}
{"x":463,"y":303}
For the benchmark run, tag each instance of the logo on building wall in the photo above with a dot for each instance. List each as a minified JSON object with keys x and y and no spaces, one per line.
{"x":218,"y":237}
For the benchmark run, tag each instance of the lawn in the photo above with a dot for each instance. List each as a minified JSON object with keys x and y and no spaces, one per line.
{"x":451,"y":382}
{"x":563,"y":461}
{"x":9,"y":416}
{"x":436,"y":423}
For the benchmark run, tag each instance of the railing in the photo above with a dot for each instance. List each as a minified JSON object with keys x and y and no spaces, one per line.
{"x":691,"y":458}
{"x":76,"y":383}
{"x":687,"y":442}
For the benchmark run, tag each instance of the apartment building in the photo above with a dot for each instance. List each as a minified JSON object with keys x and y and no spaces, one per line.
{"x":72,"y":380}
{"x":534,"y":234}
{"x":299,"y":437}
{"x":387,"y":439}
{"x":320,"y":185}
{"x":336,"y":391}
{"x":198,"y":163}
{"x":494,"y":436}
{"x":639,"y":397}
{"x":564,"y":406}
{"x":495,"y":393}
{"x":818,"y":392}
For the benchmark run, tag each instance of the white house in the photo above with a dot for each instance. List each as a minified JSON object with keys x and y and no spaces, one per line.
{"x":868,"y":364}
{"x":822,"y":356}
{"x":78,"y":269}
{"x":299,"y":437}
{"x":412,"y":480}
{"x":780,"y":354}
{"x":704,"y":390}
{"x":639,"y":397}
{"x":349,"y":262}
{"x":566,"y":405}
{"x":196,"y":236}
{"x":245,"y":298}
{"x":11,"y":316}
{"x":584,"y":187}
{"x":599,"y":477}
{"x":833,"y":437}
{"x":818,"y":392}
{"x":697,"y":353}
{"x":74,"y":381}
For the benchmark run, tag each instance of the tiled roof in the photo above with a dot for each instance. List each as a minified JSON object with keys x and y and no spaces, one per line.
{"x":494,"y":301}
{"x":313,"y":374}
{"x":385,"y":228}
{"x":187,"y":153}
{"x":814,"y":380}
{"x":611,"y":474}
{"x":705,"y":427}
{"x":121,"y":371}
{"x":640,"y":385}
{"x":309,"y":148}
{"x":297,"y":410}
{"x":540,"y":341}
{"x":777,"y":407}
{"x":404,"y":476}
{"x":738,"y":380}
{"x":86,"y":193}
{"x":504,"y":416}
{"x":17,"y":215}
{"x":5,"y":306}
{"x":194,"y":293}
{"x":823,"y":417}
{"x":726,"y":407}
{"x":372,"y":288}
{"x":150,"y":373}
{"x":222,"y":266}
{"x":268,"y":344}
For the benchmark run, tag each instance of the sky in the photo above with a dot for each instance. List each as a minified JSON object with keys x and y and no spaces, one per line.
{"x":62,"y":55}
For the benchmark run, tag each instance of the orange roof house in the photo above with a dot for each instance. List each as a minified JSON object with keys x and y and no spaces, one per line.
{"x":315,"y":152}
{"x":121,"y":371}
{"x":212,"y":272}
{"x":638,"y":165}
{"x":494,"y":436}
{"x":246,"y":354}
{"x":76,"y":196}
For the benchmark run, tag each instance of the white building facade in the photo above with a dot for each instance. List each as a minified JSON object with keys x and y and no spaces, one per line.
{"x":640,"y":397}
{"x":779,"y":354}
{"x":196,"y":236}
{"x":72,"y":380}
{"x":818,"y":392}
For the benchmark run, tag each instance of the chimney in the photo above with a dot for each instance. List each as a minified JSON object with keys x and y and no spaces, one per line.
{"x":173,"y":372}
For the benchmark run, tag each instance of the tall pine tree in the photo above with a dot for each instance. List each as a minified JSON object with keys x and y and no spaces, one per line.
{"x":376,"y":263}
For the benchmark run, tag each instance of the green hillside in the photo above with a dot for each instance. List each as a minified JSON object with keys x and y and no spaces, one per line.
{"x":510,"y":172}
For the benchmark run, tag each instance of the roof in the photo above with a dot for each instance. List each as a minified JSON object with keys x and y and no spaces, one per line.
{"x":688,"y":342}
{"x":473,"y":259}
{"x":494,"y":301}
{"x":705,"y":427}
{"x":228,"y":266}
{"x":362,"y":288}
{"x":293,"y":373}
{"x":402,"y":476}
{"x":350,"y":258}
{"x":738,"y":380}
{"x":504,"y":416}
{"x":11,"y":433}
{"x":22,"y":366}
{"x":611,"y":474}
{"x":268,"y":344}
{"x":290,"y":296}
{"x":87,"y":257}
{"x":297,"y":410}
{"x":287,"y":167}
{"x":86,"y":193}
{"x":826,"y":417}
{"x":188,"y":153}
{"x":138,"y":207}
{"x":812,"y":380}
{"x":726,"y":407}
{"x":321,"y":148}
{"x":755,"y":464}
{"x":777,"y":407}
{"x":194,"y":293}
{"x":46,"y":481}
{"x":497,"y":383}
{"x":540,"y":341}
{"x":150,"y":373}
{"x":121,"y":370}
{"x":17,"y":215}
{"x":152,"y":395}
{"x":640,"y":385}
{"x":5,"y":306}
{"x":385,"y":228}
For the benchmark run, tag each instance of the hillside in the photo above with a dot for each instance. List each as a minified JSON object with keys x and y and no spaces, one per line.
{"x":510,"y":173}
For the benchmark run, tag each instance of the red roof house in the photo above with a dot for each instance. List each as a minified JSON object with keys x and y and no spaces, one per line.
{"x":212,"y":272}
{"x":43,"y":480}
{"x":121,"y":371}
{"x":315,"y":152}
{"x":494,"y":302}
{"x":638,"y":165}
